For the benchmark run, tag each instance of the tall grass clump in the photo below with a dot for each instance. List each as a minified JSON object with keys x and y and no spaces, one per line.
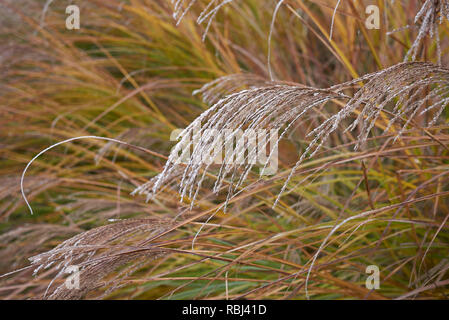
{"x":90,"y":114}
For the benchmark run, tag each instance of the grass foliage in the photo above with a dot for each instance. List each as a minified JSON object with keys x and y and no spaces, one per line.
{"x":363,"y":149}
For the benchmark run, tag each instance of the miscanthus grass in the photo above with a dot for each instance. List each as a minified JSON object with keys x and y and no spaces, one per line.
{"x":362,"y":143}
{"x":419,"y":86}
